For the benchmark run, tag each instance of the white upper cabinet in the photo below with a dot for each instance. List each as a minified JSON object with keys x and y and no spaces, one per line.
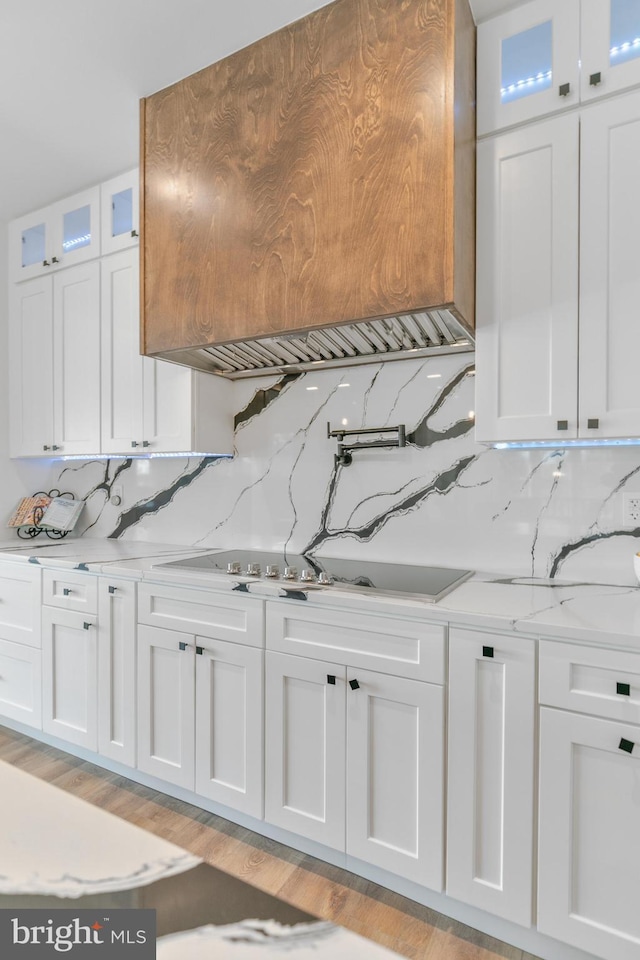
{"x":610,"y":46}
{"x":528,"y":63}
{"x":60,"y":235}
{"x":120,"y":212}
{"x":527,"y":290}
{"x":31,"y":368}
{"x":548,"y":55}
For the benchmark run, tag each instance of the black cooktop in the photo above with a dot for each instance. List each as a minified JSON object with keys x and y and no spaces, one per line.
{"x":396,"y":579}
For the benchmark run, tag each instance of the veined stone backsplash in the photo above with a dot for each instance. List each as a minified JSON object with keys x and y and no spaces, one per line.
{"x":443,"y":499}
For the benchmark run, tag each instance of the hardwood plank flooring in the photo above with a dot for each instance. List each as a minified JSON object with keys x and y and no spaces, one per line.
{"x":328,"y":892}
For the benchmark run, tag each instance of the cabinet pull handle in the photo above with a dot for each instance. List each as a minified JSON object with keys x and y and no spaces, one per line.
{"x":595,"y":79}
{"x":66,"y":591}
{"x":593,"y":423}
{"x":563,"y":424}
{"x":623,"y":689}
{"x":354,"y":684}
{"x":487,"y":651}
{"x":85,"y":625}
{"x":626,"y":745}
{"x":564,"y":89}
{"x":330,"y":678}
{"x":112,"y":589}
{"x":182,"y":645}
{"x":199,"y":651}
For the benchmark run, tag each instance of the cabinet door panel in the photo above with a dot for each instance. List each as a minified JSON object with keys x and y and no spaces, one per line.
{"x":20,"y":598}
{"x":229,"y":725}
{"x":166,"y":703}
{"x":305,"y":748}
{"x":69,"y":670}
{"x":20,"y":683}
{"x":609,"y":275}
{"x":588,"y":881}
{"x":119,"y":212}
{"x":121,"y":360}
{"x":524,"y":56}
{"x":31,"y":367}
{"x":117,"y":670}
{"x":527,"y":326}
{"x":395,"y":784}
{"x":610,"y":46}
{"x":490,"y":773}
{"x":168,"y":406}
{"x":76,"y":356}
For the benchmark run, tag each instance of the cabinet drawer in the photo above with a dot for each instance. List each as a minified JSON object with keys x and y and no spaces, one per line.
{"x":221,"y":616}
{"x":590,"y":680}
{"x":20,"y":598}
{"x":71,"y":591}
{"x":402,"y":648}
{"x":20,"y":683}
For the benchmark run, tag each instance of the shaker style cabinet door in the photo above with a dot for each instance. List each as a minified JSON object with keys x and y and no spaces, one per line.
{"x":166,"y":703}
{"x":490,"y":819}
{"x":117,"y":670}
{"x":609,"y":46}
{"x":76,"y":229}
{"x":31,"y":368}
{"x":609,"y":271}
{"x":528,"y":63}
{"x":395,"y":775}
{"x":305,"y":747}
{"x":527,"y":302}
{"x":229,"y":724}
{"x":120,"y":212}
{"x":69,"y":676}
{"x":589,"y":833}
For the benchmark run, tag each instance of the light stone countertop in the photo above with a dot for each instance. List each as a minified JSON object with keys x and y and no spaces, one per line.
{"x":587,"y":612}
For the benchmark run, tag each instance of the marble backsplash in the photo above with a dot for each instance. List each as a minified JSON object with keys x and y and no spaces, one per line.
{"x":443,"y":499}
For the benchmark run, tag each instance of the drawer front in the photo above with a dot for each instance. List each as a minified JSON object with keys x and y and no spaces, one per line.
{"x":20,"y":599}
{"x":221,"y":616}
{"x":401,"y":648}
{"x":70,"y":591}
{"x":20,"y":683}
{"x":590,"y":680}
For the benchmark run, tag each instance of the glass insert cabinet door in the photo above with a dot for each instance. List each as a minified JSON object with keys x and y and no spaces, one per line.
{"x":76,"y":228}
{"x":528,"y":63}
{"x":119,"y":212}
{"x":610,"y":44}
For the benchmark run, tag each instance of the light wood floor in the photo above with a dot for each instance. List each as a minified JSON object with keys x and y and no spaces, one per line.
{"x":331,"y":893}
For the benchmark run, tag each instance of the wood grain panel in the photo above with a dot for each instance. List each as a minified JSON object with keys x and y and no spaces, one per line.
{"x":312,"y":178}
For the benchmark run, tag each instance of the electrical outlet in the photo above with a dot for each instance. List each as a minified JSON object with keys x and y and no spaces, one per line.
{"x":116,"y":495}
{"x":631,"y":509}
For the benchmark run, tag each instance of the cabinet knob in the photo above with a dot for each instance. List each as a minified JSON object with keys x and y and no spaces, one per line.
{"x":199,"y":651}
{"x":182,"y":645}
{"x":134,"y":443}
{"x":487,"y":651}
{"x":134,"y":233}
{"x":626,"y":745}
{"x":85,"y":625}
{"x":54,"y":446}
{"x":146,"y":443}
{"x":593,"y":423}
{"x":54,"y":260}
{"x":563,"y":424}
{"x":595,"y":79}
{"x":46,"y":447}
{"x":354,"y":684}
{"x":564,"y":89}
{"x":46,"y":263}
{"x":331,"y":679}
{"x":112,"y":589}
{"x":66,"y":591}
{"x":623,"y":689}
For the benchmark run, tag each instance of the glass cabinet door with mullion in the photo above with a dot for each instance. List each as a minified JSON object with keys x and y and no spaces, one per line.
{"x":528,"y":63}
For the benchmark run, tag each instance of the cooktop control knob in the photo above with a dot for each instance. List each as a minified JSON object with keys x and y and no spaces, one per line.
{"x":273,"y":570}
{"x":233,"y":567}
{"x":253,"y":569}
{"x":307,"y":575}
{"x":325,"y":579}
{"x":290,"y":573}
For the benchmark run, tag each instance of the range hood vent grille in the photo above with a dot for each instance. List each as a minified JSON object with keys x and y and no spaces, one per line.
{"x":408,"y":336}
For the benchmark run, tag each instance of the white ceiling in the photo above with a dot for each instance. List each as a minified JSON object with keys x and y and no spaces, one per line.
{"x":72,"y":73}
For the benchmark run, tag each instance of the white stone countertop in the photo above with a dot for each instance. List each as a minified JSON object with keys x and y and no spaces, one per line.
{"x":587,"y":612}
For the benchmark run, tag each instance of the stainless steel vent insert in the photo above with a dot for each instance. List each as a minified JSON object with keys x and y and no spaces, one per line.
{"x":368,"y":341}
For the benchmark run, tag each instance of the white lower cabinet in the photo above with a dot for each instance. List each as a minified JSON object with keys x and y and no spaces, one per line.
{"x":588,"y":879}
{"x":200,"y":715}
{"x":117,"y":670}
{"x":20,"y":681}
{"x":354,"y":760}
{"x":69,"y":671}
{"x":491,"y":763}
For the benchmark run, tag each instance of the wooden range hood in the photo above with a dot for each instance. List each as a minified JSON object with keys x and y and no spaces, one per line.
{"x":311,"y":197}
